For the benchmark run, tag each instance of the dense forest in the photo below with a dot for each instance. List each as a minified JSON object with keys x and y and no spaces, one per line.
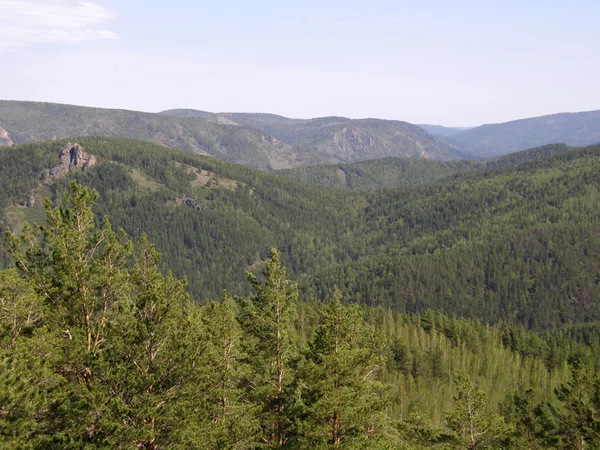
{"x":377,"y":173}
{"x":512,"y":240}
{"x":100,"y":349}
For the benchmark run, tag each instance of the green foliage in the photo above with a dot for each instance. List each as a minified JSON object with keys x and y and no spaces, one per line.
{"x":342,"y":397}
{"x":579,"y":420}
{"x":234,"y":420}
{"x":475,"y":426}
{"x":266,"y":317}
{"x":378,"y":173}
{"x":510,"y":240}
{"x":119,"y":358}
{"x":99,"y":349}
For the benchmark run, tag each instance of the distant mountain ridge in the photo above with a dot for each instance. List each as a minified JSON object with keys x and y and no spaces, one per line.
{"x":260,"y":141}
{"x":487,"y":141}
{"x":331,"y":140}
{"x":34,"y":122}
{"x":440,"y":130}
{"x":273,"y":142}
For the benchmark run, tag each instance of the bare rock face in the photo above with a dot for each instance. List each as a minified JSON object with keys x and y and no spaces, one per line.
{"x":73,"y":157}
{"x":5,"y":141}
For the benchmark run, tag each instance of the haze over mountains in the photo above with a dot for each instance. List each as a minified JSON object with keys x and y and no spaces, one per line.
{"x":488,"y":141}
{"x":282,"y":143}
{"x":271,"y":142}
{"x":339,"y":139}
{"x":440,"y":130}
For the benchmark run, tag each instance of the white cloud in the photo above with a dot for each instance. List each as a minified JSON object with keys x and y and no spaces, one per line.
{"x":28,"y":22}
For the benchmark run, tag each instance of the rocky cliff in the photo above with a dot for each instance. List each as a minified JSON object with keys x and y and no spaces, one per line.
{"x":73,"y":157}
{"x":5,"y":140}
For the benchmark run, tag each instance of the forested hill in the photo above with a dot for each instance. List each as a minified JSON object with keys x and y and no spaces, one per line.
{"x":288,"y":143}
{"x":210,"y":220}
{"x":99,"y":349}
{"x":394,"y":172}
{"x":579,"y":129}
{"x":514,"y":241}
{"x":34,"y":121}
{"x":377,"y":173}
{"x":328,"y":140}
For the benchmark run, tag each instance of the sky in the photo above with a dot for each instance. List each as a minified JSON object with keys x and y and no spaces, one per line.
{"x":453,"y":63}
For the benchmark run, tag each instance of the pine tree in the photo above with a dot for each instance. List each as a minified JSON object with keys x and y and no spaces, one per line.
{"x":476,"y":427}
{"x":159,"y":362}
{"x":266,"y":318}
{"x":341,"y":392}
{"x":127,"y":343}
{"x":79,"y":272}
{"x":524,"y":410}
{"x":232,"y":419}
{"x":28,"y":386}
{"x":579,"y":418}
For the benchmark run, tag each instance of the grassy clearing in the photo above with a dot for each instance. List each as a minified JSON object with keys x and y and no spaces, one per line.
{"x":16,"y":216}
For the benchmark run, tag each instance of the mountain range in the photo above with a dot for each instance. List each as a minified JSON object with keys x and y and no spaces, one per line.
{"x":488,"y":141}
{"x":440,"y":130}
{"x":253,"y":140}
{"x":272,"y":142}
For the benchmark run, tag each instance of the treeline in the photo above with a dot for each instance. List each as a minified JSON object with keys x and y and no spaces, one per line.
{"x":99,"y":349}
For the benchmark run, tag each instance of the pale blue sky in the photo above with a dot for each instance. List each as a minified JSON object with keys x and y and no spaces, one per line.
{"x":442,"y":62}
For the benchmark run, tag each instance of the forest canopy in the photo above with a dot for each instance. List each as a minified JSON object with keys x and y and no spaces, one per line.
{"x":100,"y":349}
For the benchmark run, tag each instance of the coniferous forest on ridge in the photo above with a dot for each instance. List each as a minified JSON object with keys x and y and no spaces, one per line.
{"x":163,"y":299}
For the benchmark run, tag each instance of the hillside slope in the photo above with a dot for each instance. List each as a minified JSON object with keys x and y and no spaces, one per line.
{"x":34,"y":122}
{"x":578,"y":129}
{"x":517,"y":241}
{"x":329,"y":140}
{"x":381,"y":173}
{"x":210,"y":219}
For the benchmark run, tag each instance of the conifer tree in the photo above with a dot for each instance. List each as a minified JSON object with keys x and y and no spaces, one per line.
{"x":158,"y":363}
{"x":28,"y":386}
{"x":126,"y":341}
{"x":266,"y":318}
{"x":579,"y":418}
{"x":476,"y":427}
{"x":232,"y":419}
{"x":524,"y":410}
{"x":79,"y":272}
{"x":341,"y":392}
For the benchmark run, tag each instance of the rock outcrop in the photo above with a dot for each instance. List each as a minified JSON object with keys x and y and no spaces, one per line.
{"x":196,"y":205}
{"x":73,"y":157}
{"x":5,"y":140}
{"x":28,"y":202}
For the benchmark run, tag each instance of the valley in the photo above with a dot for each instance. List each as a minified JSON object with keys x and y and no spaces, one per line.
{"x":454,"y":275}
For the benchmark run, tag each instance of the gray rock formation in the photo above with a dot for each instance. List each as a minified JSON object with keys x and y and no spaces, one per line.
{"x":73,"y":157}
{"x":5,"y":141}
